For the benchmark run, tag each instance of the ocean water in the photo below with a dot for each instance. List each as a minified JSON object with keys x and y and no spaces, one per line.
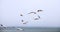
{"x":29,"y":29}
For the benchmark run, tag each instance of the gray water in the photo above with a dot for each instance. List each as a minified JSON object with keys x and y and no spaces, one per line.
{"x":29,"y":29}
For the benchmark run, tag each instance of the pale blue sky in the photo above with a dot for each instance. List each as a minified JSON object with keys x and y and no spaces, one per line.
{"x":10,"y":10}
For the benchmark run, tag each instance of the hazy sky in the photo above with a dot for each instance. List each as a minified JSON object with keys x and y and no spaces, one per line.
{"x":10,"y":10}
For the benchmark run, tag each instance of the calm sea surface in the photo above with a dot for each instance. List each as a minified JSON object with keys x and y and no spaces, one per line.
{"x":29,"y":29}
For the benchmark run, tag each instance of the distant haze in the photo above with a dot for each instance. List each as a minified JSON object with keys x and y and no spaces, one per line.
{"x":10,"y":12}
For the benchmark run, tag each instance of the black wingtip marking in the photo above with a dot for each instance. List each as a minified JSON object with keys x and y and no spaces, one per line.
{"x":21,"y":14}
{"x":39,"y":10}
